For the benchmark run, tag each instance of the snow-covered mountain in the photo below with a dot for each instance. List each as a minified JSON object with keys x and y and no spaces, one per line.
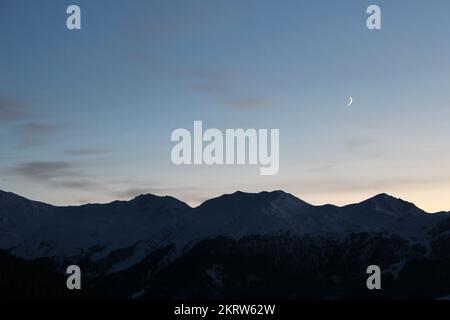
{"x":32,"y":229}
{"x":241,"y":214}
{"x":150,"y":232}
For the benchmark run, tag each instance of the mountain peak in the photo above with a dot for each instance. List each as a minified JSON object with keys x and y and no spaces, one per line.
{"x":262,"y":196}
{"x":145,"y":196}
{"x":384,"y":198}
{"x":149,"y":199}
{"x":387,"y":203}
{"x":264,"y":199}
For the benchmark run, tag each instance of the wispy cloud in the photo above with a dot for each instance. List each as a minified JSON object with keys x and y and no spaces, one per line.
{"x":224,"y":86}
{"x":247,"y":102}
{"x":12,"y":110}
{"x":55,"y":174}
{"x":44,"y":170}
{"x":358,"y":143}
{"x":89,"y":151}
{"x":29,"y":132}
{"x":326,"y":168}
{"x":34,"y":128}
{"x":35,"y":133}
{"x":362,"y":147}
{"x":79,"y":184}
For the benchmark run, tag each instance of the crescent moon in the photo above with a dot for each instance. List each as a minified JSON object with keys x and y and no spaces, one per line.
{"x":350,"y":102}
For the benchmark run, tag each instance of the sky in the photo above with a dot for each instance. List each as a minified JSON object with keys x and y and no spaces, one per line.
{"x":86,"y":115}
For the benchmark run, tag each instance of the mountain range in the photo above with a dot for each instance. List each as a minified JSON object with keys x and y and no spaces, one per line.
{"x":240,"y":245}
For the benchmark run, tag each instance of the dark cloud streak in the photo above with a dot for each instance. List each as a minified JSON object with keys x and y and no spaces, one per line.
{"x":222,"y":85}
{"x":34,"y":128}
{"x":89,"y":151}
{"x":33,"y":134}
{"x":30,"y":132}
{"x":12,"y":110}
{"x":55,"y":173}
{"x":43,"y":170}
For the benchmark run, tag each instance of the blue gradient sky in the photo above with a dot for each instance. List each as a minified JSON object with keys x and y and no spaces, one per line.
{"x":86,"y":116}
